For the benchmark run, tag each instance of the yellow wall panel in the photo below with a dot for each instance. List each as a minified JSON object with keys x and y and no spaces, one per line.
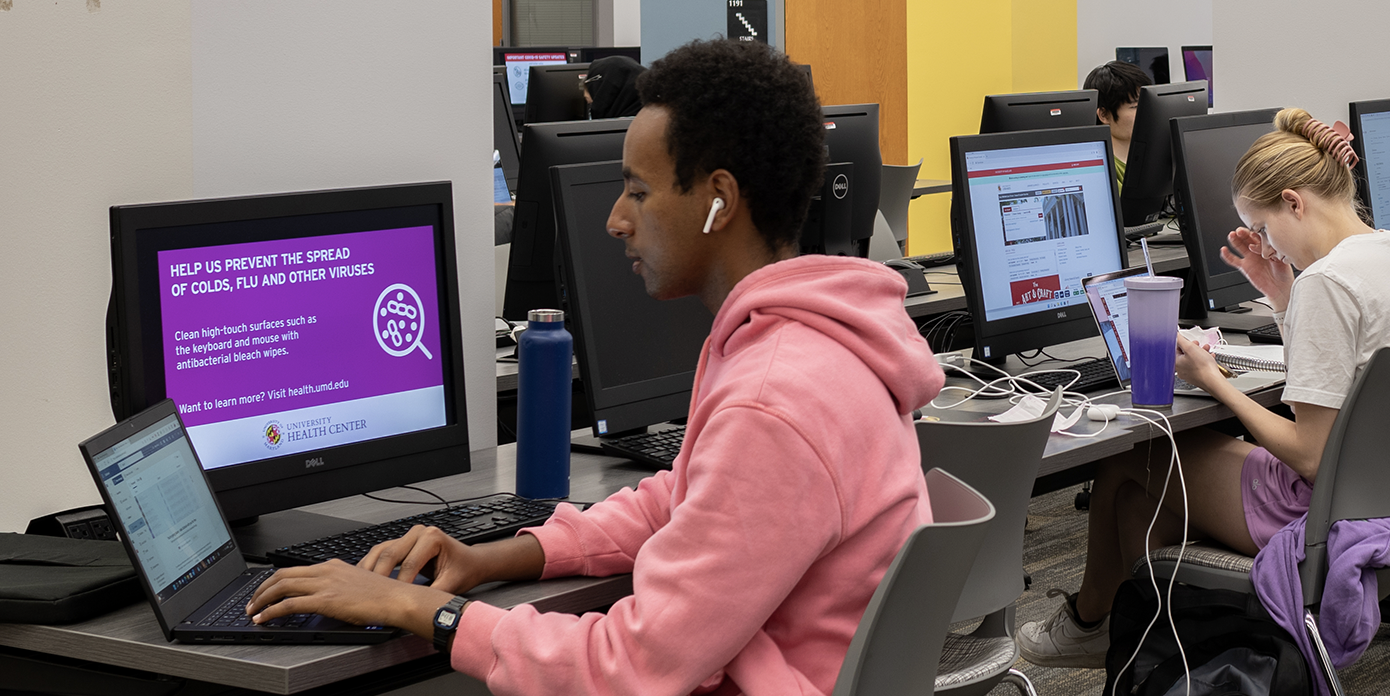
{"x":1044,"y":45}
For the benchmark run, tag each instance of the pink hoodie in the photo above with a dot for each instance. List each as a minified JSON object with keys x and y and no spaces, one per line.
{"x":754,"y":557}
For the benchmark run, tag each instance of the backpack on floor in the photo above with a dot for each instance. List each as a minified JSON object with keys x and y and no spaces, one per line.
{"x":1232,"y":645}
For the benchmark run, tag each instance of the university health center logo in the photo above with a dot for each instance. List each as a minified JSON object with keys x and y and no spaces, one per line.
{"x":273,"y":435}
{"x":398,"y":321}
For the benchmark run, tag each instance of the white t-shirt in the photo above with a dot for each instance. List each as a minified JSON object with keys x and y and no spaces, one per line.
{"x":1339,"y":314}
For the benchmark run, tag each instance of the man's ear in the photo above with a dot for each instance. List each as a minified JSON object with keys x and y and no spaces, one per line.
{"x":723,"y":185}
{"x":1104,"y":116}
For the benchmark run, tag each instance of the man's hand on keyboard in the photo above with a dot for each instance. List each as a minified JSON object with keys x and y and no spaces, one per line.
{"x":454,"y":566}
{"x":347,"y":593}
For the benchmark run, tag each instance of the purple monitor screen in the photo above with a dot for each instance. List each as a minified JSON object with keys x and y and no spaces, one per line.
{"x":284,"y":346}
{"x":1196,"y":63}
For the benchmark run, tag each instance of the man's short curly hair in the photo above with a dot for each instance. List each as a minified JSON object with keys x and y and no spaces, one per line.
{"x":743,"y":107}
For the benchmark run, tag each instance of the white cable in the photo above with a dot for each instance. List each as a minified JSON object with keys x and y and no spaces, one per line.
{"x":1174,"y":461}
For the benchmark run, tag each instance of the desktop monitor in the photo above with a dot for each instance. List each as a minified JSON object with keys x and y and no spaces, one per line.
{"x":251,"y":314}
{"x":504,"y":137}
{"x":1015,"y":112}
{"x":556,"y":93}
{"x":1196,"y":65}
{"x":1149,"y":170}
{"x":1152,"y":60}
{"x":1035,"y":213}
{"x":532,"y":263}
{"x":851,"y":135}
{"x":636,"y":355}
{"x":1206,"y":150}
{"x":1370,"y":124}
{"x":518,"y":62}
{"x":590,"y":54}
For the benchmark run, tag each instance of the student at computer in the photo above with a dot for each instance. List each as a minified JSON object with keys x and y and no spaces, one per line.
{"x":1295,"y":193}
{"x":1118,"y":83}
{"x":611,"y":87}
{"x":754,"y":558}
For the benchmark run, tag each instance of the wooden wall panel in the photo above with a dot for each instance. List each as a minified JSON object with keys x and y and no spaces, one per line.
{"x":858,"y":54}
{"x":496,"y":22}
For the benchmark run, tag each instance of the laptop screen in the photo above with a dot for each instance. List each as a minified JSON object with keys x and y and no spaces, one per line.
{"x":164,"y":505}
{"x":1110,"y":306}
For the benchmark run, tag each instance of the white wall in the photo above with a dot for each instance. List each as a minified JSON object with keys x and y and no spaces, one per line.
{"x":156,"y":100}
{"x":627,"y":22}
{"x":1287,"y":57}
{"x":1101,"y":25}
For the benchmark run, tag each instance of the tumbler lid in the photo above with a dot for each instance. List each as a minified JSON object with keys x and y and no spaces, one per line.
{"x":545,"y":316}
{"x":1153,"y":283}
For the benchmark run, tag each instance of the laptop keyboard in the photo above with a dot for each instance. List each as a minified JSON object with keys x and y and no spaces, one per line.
{"x":232,"y":613}
{"x":484,"y":519}
{"x":1095,"y":374}
{"x":657,"y":448}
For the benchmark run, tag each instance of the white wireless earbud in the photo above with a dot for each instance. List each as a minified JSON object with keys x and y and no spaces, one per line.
{"x":714,"y":209}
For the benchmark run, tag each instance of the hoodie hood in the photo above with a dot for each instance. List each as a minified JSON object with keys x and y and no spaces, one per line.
{"x":855,"y":302}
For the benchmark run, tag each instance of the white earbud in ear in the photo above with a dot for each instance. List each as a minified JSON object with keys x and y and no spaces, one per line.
{"x":714,"y":209}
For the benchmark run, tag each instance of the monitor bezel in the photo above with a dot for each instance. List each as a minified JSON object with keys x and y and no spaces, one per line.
{"x":259,"y":487}
{"x":1209,"y":78}
{"x":1157,"y":104}
{"x":625,"y":407}
{"x":511,"y":170}
{"x":1002,"y":113}
{"x":1355,"y":111}
{"x":994,"y":340}
{"x":1230,"y":286}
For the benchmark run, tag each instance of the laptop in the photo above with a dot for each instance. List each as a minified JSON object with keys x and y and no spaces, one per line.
{"x":1110,"y":307}
{"x":188,"y":562}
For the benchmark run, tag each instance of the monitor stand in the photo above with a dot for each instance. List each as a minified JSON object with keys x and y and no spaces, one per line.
{"x":257,"y":536}
{"x":584,"y":442}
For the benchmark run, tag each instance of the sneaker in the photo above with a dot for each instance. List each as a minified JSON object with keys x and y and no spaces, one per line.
{"x":1061,"y":642}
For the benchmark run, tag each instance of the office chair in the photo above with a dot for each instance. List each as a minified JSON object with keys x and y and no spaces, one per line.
{"x":1000,"y":460}
{"x":883,"y":246}
{"x":895,"y":648}
{"x":894,"y":193}
{"x":1353,"y":477}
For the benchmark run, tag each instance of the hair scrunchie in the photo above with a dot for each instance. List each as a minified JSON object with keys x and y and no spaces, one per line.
{"x":1335,"y":140}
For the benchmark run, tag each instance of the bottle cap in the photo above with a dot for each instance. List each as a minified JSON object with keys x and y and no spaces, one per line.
{"x":545,"y":316}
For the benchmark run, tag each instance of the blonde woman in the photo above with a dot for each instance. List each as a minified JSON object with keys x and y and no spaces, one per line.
{"x":1295,"y":192}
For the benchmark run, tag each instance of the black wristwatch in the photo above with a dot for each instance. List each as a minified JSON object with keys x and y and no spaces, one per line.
{"x":446,"y":620}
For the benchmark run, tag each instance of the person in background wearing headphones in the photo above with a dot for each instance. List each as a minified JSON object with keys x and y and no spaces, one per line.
{"x":1118,"y":83}
{"x":1295,"y":192}
{"x":754,"y":558}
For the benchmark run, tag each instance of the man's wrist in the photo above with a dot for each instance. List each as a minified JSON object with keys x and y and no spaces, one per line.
{"x":416,"y":613}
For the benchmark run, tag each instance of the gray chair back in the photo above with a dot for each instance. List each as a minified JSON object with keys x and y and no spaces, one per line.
{"x":894,"y":193}
{"x":1354,"y":475}
{"x":999,"y":460}
{"x":898,"y":643}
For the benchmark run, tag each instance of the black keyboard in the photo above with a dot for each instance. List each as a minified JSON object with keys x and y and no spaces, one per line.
{"x":484,"y":519}
{"x":944,"y":258}
{"x":657,"y":448}
{"x":232,"y":613}
{"x":1269,"y":333}
{"x":1095,"y":374}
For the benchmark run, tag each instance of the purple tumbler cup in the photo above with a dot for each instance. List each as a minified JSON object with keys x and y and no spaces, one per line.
{"x":1153,"y":338}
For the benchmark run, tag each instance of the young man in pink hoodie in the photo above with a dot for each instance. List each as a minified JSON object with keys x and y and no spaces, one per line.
{"x":753,"y":559}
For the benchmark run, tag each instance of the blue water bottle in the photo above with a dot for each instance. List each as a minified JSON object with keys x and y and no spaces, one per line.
{"x":544,"y":353}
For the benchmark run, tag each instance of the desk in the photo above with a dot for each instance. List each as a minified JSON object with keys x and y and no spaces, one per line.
{"x":131,"y":638}
{"x":923,"y":187}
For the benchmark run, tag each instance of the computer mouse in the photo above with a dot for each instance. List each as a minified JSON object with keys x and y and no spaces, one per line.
{"x":1103,"y":412}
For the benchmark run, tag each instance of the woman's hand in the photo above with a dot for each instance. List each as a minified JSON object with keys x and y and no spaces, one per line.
{"x":349,"y":594}
{"x":1196,"y":365}
{"x":1261,"y":265}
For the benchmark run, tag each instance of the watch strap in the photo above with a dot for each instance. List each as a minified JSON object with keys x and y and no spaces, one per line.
{"x":444,"y":630}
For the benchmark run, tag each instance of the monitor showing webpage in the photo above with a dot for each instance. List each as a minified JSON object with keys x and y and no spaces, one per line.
{"x":1043,"y":220}
{"x":1375,"y":134}
{"x":294,"y":344}
{"x":164,"y":506}
{"x":519,"y":70}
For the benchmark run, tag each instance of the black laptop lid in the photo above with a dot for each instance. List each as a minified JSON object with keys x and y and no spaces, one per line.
{"x":170,"y":523}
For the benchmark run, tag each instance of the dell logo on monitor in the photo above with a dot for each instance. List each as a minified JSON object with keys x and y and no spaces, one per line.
{"x":1055,"y":112}
{"x":1062,"y":314}
{"x":841,"y":186}
{"x":311,"y":463}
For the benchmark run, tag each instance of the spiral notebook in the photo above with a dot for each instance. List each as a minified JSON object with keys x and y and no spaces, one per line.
{"x":1267,"y":358}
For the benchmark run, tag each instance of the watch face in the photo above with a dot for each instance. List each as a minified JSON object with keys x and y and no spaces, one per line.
{"x":446,"y":618}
